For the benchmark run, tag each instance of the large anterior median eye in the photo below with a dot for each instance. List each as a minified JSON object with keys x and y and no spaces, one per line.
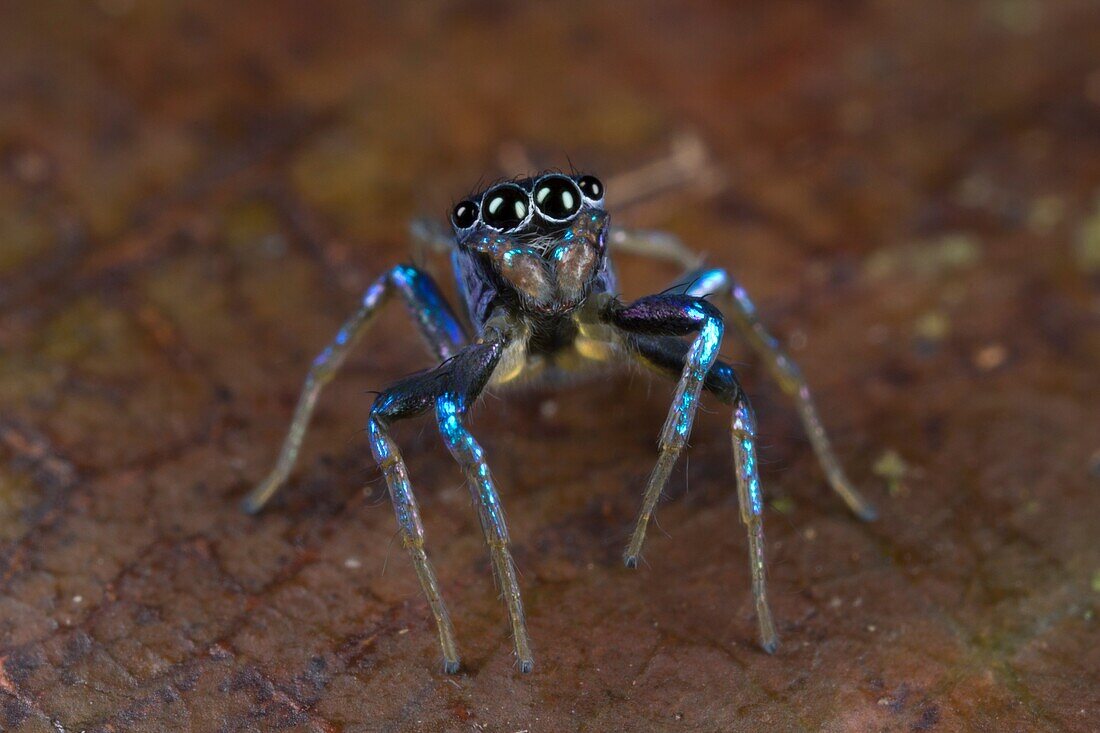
{"x":504,"y":207}
{"x":557,"y":198}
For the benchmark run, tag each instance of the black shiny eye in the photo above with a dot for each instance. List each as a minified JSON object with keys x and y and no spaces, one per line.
{"x":504,"y":207}
{"x":557,"y":198}
{"x":591,"y":187}
{"x":464,"y":215}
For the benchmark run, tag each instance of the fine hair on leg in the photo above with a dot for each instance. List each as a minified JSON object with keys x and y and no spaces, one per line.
{"x":450,"y":409}
{"x":412,"y":532}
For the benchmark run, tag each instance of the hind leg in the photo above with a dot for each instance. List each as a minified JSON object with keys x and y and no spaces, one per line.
{"x":654,"y":244}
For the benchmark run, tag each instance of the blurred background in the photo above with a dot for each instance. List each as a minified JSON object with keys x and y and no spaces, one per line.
{"x":192,"y":196}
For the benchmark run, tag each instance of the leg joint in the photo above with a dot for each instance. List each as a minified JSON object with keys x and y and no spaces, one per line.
{"x":744,"y":420}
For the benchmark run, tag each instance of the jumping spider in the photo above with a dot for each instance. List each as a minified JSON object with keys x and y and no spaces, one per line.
{"x":534,"y":271}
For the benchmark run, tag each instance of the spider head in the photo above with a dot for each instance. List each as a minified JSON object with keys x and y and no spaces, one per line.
{"x":542,"y":237}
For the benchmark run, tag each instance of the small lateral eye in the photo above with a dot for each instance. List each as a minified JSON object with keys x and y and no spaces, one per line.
{"x":504,"y":207}
{"x":591,"y":187}
{"x":464,"y":215}
{"x":557,"y":198}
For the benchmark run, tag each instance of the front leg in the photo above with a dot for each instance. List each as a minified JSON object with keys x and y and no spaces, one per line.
{"x":675,"y":315}
{"x":666,"y":355}
{"x":451,"y":389}
{"x":704,"y":281}
{"x":409,"y":398}
{"x":450,"y":410}
{"x":470,"y":372}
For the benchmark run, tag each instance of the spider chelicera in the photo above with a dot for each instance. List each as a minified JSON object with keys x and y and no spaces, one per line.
{"x":533,"y":267}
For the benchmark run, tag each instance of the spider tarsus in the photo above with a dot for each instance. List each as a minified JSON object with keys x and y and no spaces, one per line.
{"x":867,"y":513}
{"x":256,"y":499}
{"x":250,"y":505}
{"x":526,"y":665}
{"x":451,"y":666}
{"x":769,"y":639}
{"x":630,"y":561}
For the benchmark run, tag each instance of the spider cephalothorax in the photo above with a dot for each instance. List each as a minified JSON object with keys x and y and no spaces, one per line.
{"x":542,"y":239}
{"x":532,"y":265}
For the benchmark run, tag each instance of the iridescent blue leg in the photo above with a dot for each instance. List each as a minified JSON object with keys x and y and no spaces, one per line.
{"x":437,"y":323}
{"x":450,"y":409}
{"x":714,"y":281}
{"x":676,"y":315}
{"x":409,"y":398}
{"x":702,"y":281}
{"x":667,"y":355}
{"x":743,"y":433}
{"x":412,"y":534}
{"x":450,"y":389}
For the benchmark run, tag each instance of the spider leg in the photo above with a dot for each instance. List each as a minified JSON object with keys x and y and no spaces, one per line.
{"x":451,"y":388}
{"x":436,"y":321}
{"x":429,"y":236}
{"x":707,"y":281}
{"x":667,"y":355}
{"x":450,"y":409}
{"x":743,"y":435}
{"x":654,"y":244}
{"x":677,"y":315}
{"x":703,"y":281}
{"x":409,"y":398}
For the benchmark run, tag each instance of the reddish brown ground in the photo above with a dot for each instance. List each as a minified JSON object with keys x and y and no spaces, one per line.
{"x":192,"y":194}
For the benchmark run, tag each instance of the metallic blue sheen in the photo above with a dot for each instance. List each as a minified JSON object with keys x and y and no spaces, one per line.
{"x":703,"y":353}
{"x":478,"y":292}
{"x":397,"y":480}
{"x":708,"y":281}
{"x":378,"y":443}
{"x":465,"y":449}
{"x":684,"y":410}
{"x":433,"y":311}
{"x":383,"y":404}
{"x":752,"y":478}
